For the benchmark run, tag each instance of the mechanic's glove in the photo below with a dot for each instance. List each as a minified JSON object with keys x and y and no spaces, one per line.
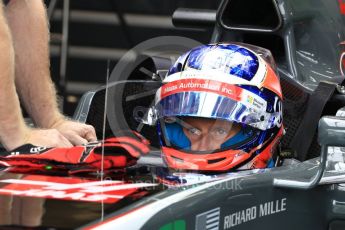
{"x":119,"y":152}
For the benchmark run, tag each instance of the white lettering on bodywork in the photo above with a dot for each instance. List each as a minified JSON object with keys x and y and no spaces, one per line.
{"x":249,"y":214}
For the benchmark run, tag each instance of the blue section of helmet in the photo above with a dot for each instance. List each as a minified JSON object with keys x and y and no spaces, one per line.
{"x":270,"y":163}
{"x":262,"y":137}
{"x":176,"y":136}
{"x":159,"y":132}
{"x":197,"y":55}
{"x":239,"y":112}
{"x":239,"y":137}
{"x":264,"y":93}
{"x":231,"y":59}
{"x":178,"y":65}
{"x":166,"y":174}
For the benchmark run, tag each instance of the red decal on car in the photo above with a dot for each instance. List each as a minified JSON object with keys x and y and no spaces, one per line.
{"x":106,"y":191}
{"x":342,"y":6}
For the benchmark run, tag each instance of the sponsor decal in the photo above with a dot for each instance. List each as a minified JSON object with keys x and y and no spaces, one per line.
{"x":176,"y":225}
{"x":250,"y":99}
{"x":106,"y":191}
{"x":258,"y":103}
{"x":37,"y":149}
{"x":208,"y":220}
{"x":258,"y":211}
{"x":202,"y":85}
{"x":253,"y":101}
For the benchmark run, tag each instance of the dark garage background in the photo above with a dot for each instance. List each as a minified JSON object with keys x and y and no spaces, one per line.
{"x":104,"y":30}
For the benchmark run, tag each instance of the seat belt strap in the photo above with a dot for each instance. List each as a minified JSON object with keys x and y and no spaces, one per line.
{"x":304,"y":135}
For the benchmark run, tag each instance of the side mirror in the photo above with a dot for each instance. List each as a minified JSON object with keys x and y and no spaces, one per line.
{"x":331,"y":132}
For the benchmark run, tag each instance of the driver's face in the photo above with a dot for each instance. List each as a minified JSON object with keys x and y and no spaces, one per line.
{"x":208,"y":134}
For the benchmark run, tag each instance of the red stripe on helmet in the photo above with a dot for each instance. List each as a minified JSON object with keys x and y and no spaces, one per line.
{"x":201,"y":85}
{"x":272,"y":82}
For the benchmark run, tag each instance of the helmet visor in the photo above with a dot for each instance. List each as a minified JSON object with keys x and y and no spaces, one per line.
{"x":203,"y":135}
{"x":248,"y":109}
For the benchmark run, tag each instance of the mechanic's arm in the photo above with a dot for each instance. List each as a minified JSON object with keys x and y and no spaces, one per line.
{"x":28,"y":23}
{"x":13,"y":131}
{"x":12,"y":127}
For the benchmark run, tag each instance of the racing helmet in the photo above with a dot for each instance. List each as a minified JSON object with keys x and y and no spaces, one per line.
{"x":234,"y":90}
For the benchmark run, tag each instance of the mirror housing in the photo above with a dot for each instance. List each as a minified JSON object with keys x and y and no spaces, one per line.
{"x":331,"y":132}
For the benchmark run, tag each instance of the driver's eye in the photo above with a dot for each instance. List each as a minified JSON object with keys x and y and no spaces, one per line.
{"x":220,"y":132}
{"x":170,"y":120}
{"x":194,"y":131}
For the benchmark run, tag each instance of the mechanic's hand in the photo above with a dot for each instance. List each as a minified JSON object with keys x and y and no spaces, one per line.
{"x":47,"y":138}
{"x":77,"y":133}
